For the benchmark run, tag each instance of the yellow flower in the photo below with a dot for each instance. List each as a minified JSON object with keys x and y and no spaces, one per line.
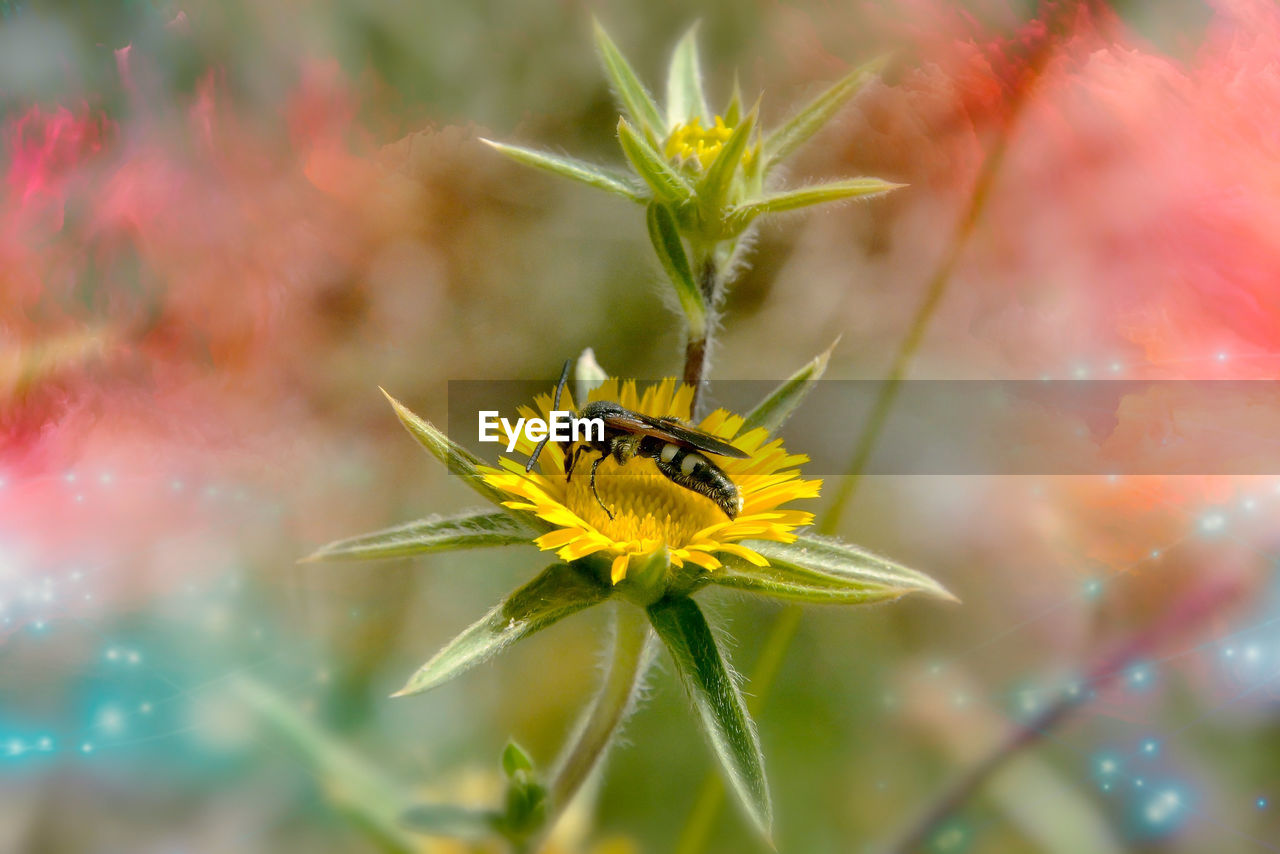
{"x":691,"y":141}
{"x":649,"y":511}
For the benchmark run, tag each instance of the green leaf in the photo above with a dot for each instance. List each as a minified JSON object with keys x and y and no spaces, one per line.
{"x":526,"y":806}
{"x":772,"y":412}
{"x":471,"y":530}
{"x":670,"y":248}
{"x":568,"y":167}
{"x":803,"y":197}
{"x":514,"y":759}
{"x":685,"y":97}
{"x":823,"y":570}
{"x":804,"y":124}
{"x":723,"y":714}
{"x":559,"y":591}
{"x":733,"y":110}
{"x":458,"y":459}
{"x":713,"y":189}
{"x":357,"y":787}
{"x":453,"y":821}
{"x":635,"y":99}
{"x":668,"y":184}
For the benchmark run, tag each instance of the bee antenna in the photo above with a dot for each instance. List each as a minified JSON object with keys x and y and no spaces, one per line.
{"x":564,"y":378}
{"x":533,"y":458}
{"x":542,"y":443}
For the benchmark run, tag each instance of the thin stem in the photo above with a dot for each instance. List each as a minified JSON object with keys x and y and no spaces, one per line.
{"x":697,"y":351}
{"x":617,"y":699}
{"x":1197,"y":605}
{"x":695,"y":366}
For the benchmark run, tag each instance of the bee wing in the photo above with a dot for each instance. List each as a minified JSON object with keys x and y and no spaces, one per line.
{"x":671,"y":430}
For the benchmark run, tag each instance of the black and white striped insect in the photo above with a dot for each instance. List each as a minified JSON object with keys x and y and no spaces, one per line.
{"x":678,"y":450}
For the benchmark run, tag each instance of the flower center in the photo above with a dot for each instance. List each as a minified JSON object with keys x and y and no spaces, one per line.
{"x":645,"y":504}
{"x":691,"y":141}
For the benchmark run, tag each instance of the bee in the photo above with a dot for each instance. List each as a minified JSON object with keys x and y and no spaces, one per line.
{"x":678,"y":450}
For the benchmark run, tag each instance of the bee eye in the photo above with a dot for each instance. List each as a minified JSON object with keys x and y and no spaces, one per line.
{"x":691,"y":464}
{"x":669,"y":452}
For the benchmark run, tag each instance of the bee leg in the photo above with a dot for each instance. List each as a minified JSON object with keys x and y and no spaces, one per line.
{"x":595,"y":466}
{"x":624,"y":448}
{"x":570,"y":461}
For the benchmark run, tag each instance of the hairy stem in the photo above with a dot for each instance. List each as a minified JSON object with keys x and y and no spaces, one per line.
{"x":632,"y":653}
{"x":697,"y":350}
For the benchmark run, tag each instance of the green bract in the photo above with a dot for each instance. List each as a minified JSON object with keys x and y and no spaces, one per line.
{"x":705,"y":178}
{"x":812,"y":569}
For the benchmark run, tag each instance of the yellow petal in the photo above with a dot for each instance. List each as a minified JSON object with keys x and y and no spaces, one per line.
{"x":619,"y":569}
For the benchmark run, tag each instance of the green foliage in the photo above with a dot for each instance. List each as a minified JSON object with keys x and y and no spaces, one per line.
{"x":716,"y":698}
{"x":665,"y":237}
{"x":668,"y":185}
{"x":526,"y":796}
{"x":577,"y":170}
{"x":559,"y":591}
{"x":741,"y":216}
{"x":709,"y":208}
{"x":636,"y":100}
{"x":686,"y":99}
{"x":826,"y":571}
{"x":772,"y":412}
{"x":718,"y":183}
{"x":811,"y":118}
{"x":458,"y":459}
{"x":470,"y":530}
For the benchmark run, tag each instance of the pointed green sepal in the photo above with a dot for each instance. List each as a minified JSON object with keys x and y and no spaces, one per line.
{"x":686,"y":99}
{"x":515,"y":759}
{"x":577,"y":170}
{"x":721,"y":710}
{"x":789,"y":200}
{"x":713,"y":189}
{"x":665,"y":236}
{"x":668,"y":184}
{"x":471,"y":530}
{"x":559,"y":591}
{"x":526,"y":801}
{"x":803,"y":125}
{"x":458,"y":459}
{"x":825,"y":571}
{"x":636,"y":101}
{"x":733,"y":110}
{"x":772,"y":412}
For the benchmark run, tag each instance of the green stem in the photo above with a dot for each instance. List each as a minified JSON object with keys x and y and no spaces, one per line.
{"x":701,"y":821}
{"x":1196,"y":606}
{"x":616,"y":700}
{"x":911,"y":342}
{"x":697,"y":351}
